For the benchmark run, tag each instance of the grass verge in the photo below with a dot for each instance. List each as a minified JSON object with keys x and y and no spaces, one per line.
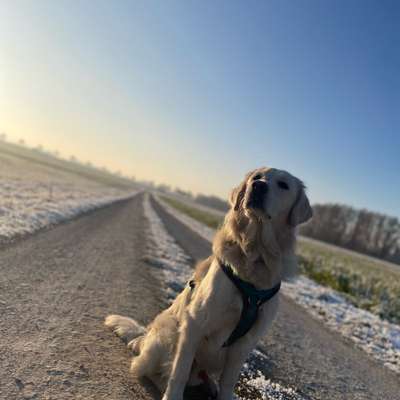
{"x":208,"y":219}
{"x":369,"y":285}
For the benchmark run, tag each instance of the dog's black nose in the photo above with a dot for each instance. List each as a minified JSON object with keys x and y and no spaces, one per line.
{"x":260,"y":186}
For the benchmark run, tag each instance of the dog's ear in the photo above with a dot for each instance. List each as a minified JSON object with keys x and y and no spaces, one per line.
{"x":301,"y":210}
{"x":237,"y":195}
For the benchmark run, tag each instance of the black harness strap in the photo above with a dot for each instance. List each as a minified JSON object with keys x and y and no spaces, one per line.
{"x":252,"y":300}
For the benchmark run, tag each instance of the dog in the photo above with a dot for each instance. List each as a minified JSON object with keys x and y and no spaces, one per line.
{"x":205,"y":336}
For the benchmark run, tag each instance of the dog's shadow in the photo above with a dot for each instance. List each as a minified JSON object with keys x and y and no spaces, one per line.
{"x":191,"y":393}
{"x":255,"y":361}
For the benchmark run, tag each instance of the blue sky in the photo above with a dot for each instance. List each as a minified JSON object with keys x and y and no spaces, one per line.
{"x":195,"y":94}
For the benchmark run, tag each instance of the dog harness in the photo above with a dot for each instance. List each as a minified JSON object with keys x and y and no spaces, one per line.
{"x":252,"y":301}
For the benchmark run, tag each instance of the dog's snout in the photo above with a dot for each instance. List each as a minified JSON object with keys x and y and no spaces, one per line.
{"x":260,"y":186}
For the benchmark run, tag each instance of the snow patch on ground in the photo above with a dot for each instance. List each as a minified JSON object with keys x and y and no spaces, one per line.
{"x":27,"y":206}
{"x":166,"y":254}
{"x":377,"y":337}
{"x":253,"y":383}
{"x":34,"y":195}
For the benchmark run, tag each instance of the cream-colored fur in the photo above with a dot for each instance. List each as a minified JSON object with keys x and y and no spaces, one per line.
{"x":258,"y":242}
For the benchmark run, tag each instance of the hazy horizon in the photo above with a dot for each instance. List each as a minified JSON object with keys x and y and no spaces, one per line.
{"x":195,"y":96}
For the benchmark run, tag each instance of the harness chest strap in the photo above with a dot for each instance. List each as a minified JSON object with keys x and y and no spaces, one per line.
{"x":252,"y":301}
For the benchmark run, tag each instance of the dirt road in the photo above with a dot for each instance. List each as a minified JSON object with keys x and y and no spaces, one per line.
{"x":57,"y":286}
{"x":55,"y":289}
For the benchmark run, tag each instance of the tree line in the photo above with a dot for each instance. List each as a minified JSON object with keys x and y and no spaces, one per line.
{"x":364,"y":231}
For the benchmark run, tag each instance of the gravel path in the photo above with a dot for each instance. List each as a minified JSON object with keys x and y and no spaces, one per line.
{"x":55,"y":289}
{"x":57,"y":286}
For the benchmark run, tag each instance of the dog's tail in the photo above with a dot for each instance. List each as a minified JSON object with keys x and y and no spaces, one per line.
{"x":126,"y":328}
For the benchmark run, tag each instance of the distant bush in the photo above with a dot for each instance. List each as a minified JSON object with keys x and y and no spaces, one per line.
{"x":185,"y":193}
{"x":163,"y":188}
{"x":364,"y":231}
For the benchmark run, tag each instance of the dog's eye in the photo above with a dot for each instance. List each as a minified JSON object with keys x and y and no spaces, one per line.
{"x":257,"y":177}
{"x":283,"y":185}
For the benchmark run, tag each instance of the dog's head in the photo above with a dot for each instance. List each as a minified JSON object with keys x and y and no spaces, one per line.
{"x":272,"y":196}
{"x":265,"y":209}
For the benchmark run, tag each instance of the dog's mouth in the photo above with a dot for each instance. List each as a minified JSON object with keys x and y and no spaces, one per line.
{"x":257,"y":195}
{"x":256,"y":202}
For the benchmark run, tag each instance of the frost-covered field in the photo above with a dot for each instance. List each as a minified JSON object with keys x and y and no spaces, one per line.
{"x":166,"y":254}
{"x":367,"y":283}
{"x":377,"y":337}
{"x":33,"y":196}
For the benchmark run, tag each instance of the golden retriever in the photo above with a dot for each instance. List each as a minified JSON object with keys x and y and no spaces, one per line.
{"x":185,"y":345}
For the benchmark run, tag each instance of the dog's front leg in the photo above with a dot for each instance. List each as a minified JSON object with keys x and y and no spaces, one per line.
{"x":189,"y":338}
{"x":235,"y":359}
